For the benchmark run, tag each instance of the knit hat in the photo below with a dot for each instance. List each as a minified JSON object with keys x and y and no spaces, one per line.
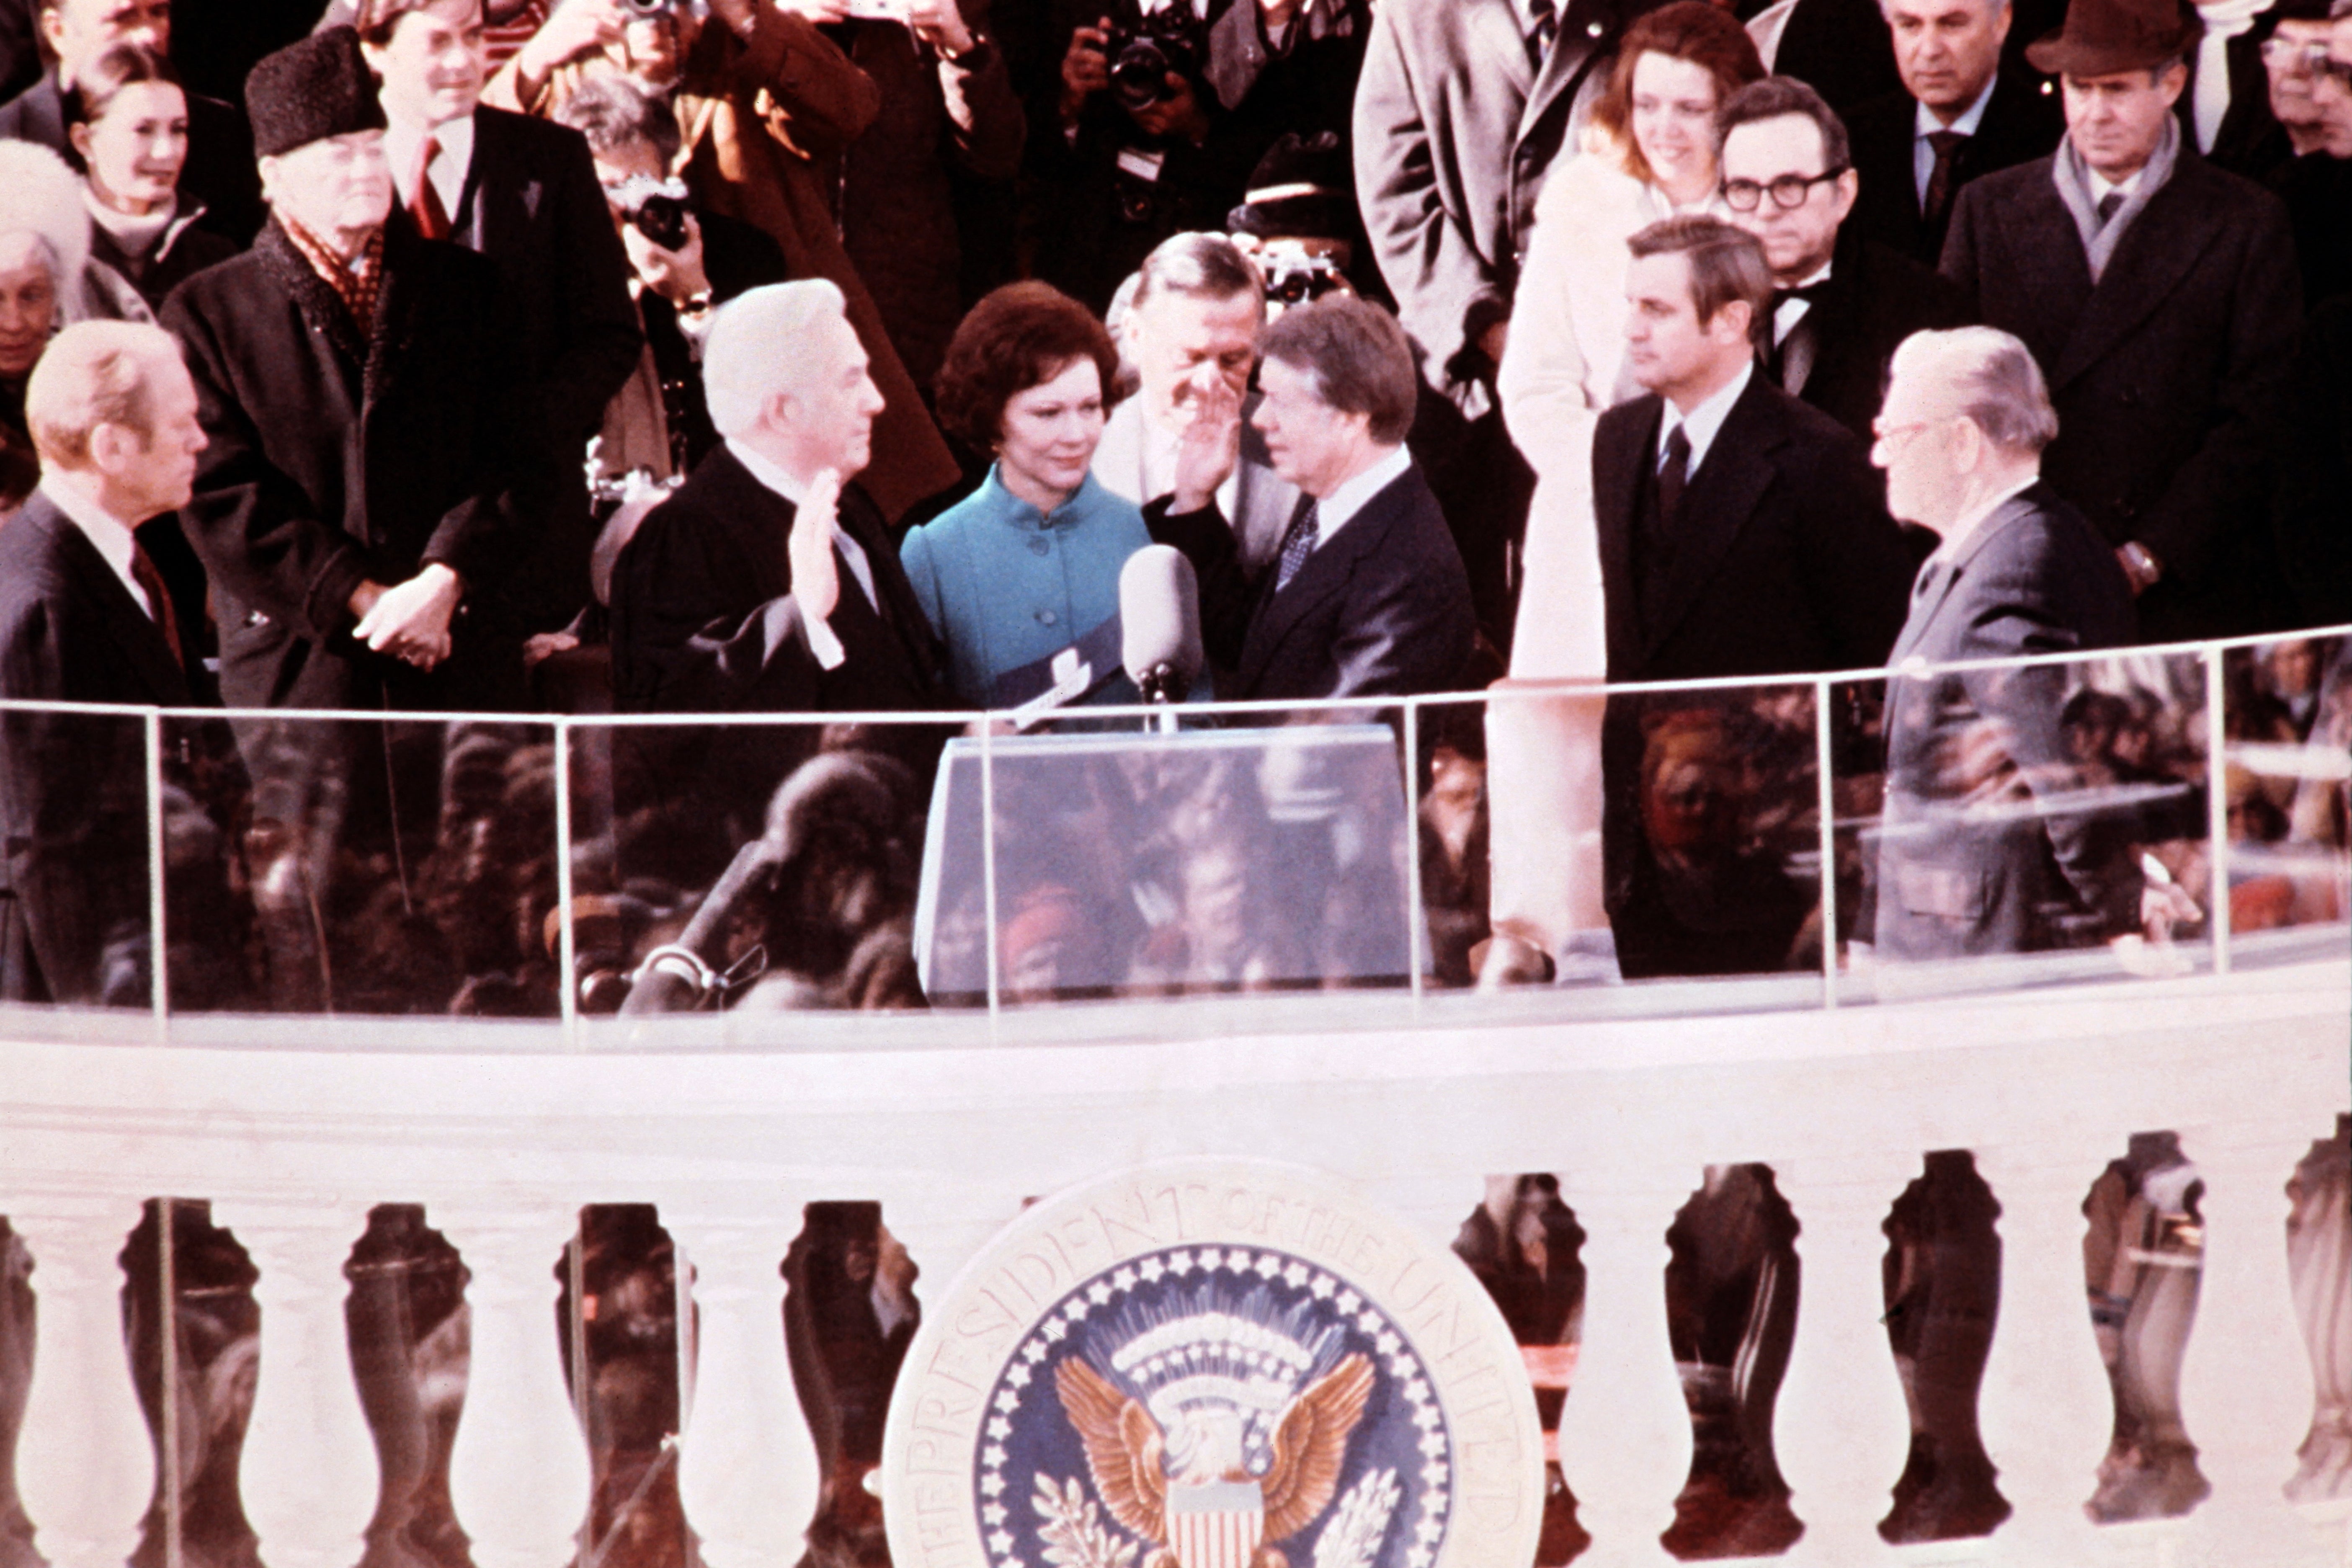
{"x":1303,"y":187}
{"x":309,"y":90}
{"x":2104,"y":37}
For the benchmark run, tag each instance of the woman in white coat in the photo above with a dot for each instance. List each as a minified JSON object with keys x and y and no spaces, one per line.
{"x":1649,"y":154}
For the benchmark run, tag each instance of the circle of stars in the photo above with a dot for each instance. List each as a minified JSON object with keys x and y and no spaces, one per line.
{"x":1403,"y":1367}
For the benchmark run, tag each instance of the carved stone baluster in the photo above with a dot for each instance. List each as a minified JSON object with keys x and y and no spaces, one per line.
{"x":2246,"y":1385}
{"x":748,"y":1471}
{"x":518,"y":1473}
{"x":1842,"y":1429}
{"x":309,"y":1470}
{"x":1624,"y":1432}
{"x":84,"y":1464}
{"x":2046,"y":1412}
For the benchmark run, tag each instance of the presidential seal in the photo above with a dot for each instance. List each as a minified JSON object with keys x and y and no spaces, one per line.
{"x":1213,"y":1364}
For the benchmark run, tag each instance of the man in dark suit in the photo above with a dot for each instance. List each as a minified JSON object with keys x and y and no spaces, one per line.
{"x":1980,"y":848}
{"x":219,"y":170}
{"x":2161,"y":298}
{"x":1741,"y":534}
{"x":769,"y":583}
{"x":83,"y":618}
{"x":523,"y":193}
{"x":1964,"y":111}
{"x":1366,"y":595}
{"x":1840,"y":301}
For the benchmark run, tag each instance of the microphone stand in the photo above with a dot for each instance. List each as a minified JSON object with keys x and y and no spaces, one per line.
{"x":1162,"y":686}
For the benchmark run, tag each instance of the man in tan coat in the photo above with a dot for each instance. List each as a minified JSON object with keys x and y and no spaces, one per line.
{"x":766,"y":102}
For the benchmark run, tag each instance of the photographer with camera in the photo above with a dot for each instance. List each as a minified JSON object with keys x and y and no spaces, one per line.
{"x":767,"y":103}
{"x":1164,"y":113}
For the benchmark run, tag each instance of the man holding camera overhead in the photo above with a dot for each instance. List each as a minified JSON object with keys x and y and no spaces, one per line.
{"x":765,"y":101}
{"x":1164,"y":114}
{"x":523,"y":194}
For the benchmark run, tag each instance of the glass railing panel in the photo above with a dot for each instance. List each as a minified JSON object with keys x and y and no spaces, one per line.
{"x":1652,"y":850}
{"x":2288,"y":770}
{"x":359,"y":869}
{"x":752,"y":884}
{"x":2025,"y":822}
{"x":1240,"y":872}
{"x":76,"y":931}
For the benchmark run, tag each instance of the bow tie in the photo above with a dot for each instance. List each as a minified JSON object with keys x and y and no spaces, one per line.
{"x":1810,"y":293}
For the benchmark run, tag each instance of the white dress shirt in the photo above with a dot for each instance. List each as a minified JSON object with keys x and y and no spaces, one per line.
{"x":402,"y":144}
{"x":820,"y":639}
{"x":1332,"y":511}
{"x":109,"y":533}
{"x":1793,"y":309}
{"x":2127,"y":187}
{"x":1922,"y":152}
{"x":1701,"y":424}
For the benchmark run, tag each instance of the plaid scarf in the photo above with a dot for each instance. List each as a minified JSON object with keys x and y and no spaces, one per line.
{"x":357,"y":283}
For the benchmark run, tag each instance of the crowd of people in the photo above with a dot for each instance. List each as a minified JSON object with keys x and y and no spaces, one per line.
{"x":798,"y":358}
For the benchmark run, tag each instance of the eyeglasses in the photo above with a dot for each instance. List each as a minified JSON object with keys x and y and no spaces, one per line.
{"x":1889,"y":435}
{"x":2308,"y":58}
{"x":1787,"y":191}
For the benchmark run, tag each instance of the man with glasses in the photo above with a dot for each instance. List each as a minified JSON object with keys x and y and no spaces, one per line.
{"x":2307,"y":158}
{"x":2159,"y":295}
{"x":1975,"y":852}
{"x":1841,"y":302}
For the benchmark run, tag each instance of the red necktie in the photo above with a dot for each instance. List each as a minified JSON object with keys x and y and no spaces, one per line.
{"x":425,"y":206}
{"x":159,"y":602}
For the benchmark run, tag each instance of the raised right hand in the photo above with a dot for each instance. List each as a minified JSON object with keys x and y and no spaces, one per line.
{"x":579,"y":29}
{"x":1210,"y":446}
{"x":816,"y":580}
{"x":1085,"y":69}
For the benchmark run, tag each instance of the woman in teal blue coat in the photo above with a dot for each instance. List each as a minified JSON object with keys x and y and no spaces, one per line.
{"x":1020,"y":578}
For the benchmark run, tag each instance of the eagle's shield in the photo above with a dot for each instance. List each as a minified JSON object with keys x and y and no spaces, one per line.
{"x":1216,"y":1526}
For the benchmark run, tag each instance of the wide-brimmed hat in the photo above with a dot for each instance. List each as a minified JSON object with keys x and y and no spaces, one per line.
{"x":311,"y":90}
{"x":2103,"y":36}
{"x":1302,"y":187}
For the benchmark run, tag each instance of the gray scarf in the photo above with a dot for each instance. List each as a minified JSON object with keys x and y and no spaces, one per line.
{"x":2073,"y":178}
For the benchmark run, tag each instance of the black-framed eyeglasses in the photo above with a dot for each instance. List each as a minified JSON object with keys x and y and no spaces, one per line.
{"x":1787,"y":191}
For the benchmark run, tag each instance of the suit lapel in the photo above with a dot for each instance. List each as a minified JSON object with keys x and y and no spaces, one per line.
{"x":1916,"y":626}
{"x":2163,"y":243}
{"x":128,"y":628}
{"x":1616,"y":482}
{"x":1715,"y":505}
{"x":2041,"y":239}
{"x":1325,"y":572}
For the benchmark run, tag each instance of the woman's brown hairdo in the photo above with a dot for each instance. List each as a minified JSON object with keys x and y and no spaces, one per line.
{"x":1021,"y":335}
{"x":1688,"y":30}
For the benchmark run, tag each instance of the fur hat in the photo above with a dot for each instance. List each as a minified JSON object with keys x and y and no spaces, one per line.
{"x":311,"y":90}
{"x":2104,"y":37}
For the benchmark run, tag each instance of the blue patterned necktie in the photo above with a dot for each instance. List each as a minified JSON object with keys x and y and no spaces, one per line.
{"x":1296,"y":546}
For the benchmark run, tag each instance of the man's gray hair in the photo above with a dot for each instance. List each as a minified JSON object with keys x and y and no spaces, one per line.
{"x":753,"y":351}
{"x":1991,"y":377}
{"x":1361,"y":359}
{"x":611,"y":113}
{"x":1204,"y":266}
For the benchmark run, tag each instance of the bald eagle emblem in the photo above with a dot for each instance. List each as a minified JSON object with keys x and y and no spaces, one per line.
{"x":1175,"y":1466}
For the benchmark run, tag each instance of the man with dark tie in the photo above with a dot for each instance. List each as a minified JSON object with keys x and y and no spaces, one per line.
{"x":1741,"y":534}
{"x":1840,"y":301}
{"x":84,"y":618}
{"x":2160,"y":296}
{"x":1366,"y":595}
{"x":524,"y":194}
{"x":1960,"y":869}
{"x":1964,"y":111}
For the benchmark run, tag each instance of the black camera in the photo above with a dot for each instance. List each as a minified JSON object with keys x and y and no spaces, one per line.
{"x":654,"y":209}
{"x":1144,"y":48}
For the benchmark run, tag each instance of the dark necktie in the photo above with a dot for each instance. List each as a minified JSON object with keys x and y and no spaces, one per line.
{"x":2109,"y":204}
{"x":1544,"y":21}
{"x":1296,"y":546}
{"x":159,"y":602}
{"x":1672,"y":474}
{"x":425,"y":206}
{"x":1936,"y":205}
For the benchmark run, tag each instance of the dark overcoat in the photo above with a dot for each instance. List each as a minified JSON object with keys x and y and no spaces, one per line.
{"x":2022,"y":121}
{"x":2167,"y":374}
{"x":334,"y":459}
